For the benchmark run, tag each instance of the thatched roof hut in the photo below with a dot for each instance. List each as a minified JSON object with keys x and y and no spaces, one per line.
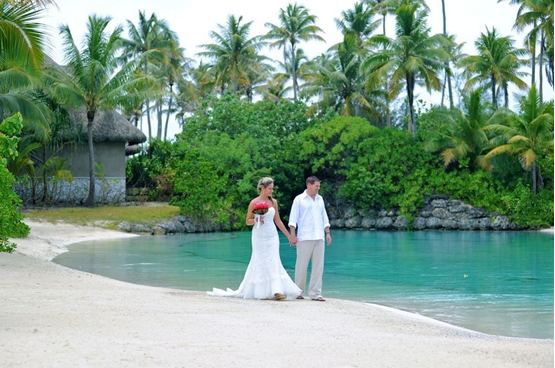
{"x":109,"y":126}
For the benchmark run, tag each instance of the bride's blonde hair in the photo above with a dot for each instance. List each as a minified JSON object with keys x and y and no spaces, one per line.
{"x":264,"y":183}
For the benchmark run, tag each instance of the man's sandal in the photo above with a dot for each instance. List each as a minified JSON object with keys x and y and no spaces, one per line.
{"x":300,"y":297}
{"x":319,"y":299}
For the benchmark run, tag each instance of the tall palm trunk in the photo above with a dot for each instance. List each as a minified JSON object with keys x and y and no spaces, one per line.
{"x":540,"y":63}
{"x":387,"y":100}
{"x":534,"y":179}
{"x":159,"y":107}
{"x":493,"y":93}
{"x":533,"y":52}
{"x":294,"y":71}
{"x":249,"y":93}
{"x":450,"y":88}
{"x":410,"y":95}
{"x":169,"y":112}
{"x":89,"y":202}
{"x":539,"y":177}
{"x":443,"y":90}
{"x":44,"y":178}
{"x":235,"y":85}
{"x":148,"y":108}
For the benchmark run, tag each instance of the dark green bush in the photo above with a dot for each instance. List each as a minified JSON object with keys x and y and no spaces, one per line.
{"x":10,"y":217}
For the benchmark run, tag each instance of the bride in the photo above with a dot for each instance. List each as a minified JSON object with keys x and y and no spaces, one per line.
{"x":265,"y":277}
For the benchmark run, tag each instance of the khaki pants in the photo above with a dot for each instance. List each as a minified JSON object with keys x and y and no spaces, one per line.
{"x":305,"y":251}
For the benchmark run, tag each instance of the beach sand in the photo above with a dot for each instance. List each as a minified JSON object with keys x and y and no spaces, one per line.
{"x":52,"y":316}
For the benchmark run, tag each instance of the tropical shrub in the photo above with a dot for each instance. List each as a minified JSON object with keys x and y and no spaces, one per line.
{"x":225,"y":148}
{"x":10,"y":217}
{"x":389,"y":164}
{"x":527,"y":209}
{"x":527,"y":135}
{"x":329,"y":148}
{"x":150,"y":169}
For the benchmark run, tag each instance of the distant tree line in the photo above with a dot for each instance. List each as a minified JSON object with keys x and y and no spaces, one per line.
{"x":369,"y":78}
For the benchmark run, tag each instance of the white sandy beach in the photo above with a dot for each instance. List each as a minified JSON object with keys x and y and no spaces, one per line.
{"x":52,"y":316}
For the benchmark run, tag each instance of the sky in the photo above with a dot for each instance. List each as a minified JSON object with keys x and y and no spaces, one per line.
{"x":193,"y":20}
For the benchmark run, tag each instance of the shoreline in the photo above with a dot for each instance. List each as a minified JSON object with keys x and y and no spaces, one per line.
{"x":53,"y":315}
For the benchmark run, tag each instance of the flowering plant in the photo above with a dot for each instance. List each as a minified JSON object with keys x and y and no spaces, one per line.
{"x":260,"y":209}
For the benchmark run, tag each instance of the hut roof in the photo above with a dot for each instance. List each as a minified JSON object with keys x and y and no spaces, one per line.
{"x":109,"y":126}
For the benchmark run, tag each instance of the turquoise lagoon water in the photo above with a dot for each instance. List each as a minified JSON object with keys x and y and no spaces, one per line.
{"x":494,"y":282}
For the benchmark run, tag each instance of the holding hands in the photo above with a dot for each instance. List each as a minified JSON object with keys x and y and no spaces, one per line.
{"x":292,"y":240}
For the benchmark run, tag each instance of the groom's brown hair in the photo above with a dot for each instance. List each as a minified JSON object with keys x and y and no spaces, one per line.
{"x":311,"y":180}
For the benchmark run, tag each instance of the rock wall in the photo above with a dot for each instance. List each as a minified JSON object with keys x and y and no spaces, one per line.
{"x":438,"y":213}
{"x":175,"y":225}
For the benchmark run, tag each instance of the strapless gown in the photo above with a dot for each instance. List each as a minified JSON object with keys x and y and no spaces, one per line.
{"x":265,"y":275}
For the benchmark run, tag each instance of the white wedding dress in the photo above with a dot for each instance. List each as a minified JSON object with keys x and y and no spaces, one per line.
{"x":265,"y":275}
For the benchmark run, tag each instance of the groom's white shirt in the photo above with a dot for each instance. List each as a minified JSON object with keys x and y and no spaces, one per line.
{"x":309,"y":217}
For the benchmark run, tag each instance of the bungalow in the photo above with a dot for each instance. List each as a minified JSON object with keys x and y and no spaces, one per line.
{"x":114,"y":138}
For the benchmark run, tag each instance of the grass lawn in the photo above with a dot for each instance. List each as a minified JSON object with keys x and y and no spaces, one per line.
{"x":104,"y":216}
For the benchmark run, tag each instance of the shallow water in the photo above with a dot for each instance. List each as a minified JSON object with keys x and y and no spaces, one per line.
{"x":494,"y":282}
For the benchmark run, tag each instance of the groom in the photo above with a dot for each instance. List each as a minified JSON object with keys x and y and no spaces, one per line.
{"x":310,"y":221}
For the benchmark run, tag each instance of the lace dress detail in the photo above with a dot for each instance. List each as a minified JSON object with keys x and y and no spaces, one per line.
{"x":265,"y":275}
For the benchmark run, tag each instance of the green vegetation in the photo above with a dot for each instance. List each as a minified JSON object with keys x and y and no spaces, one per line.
{"x":216,"y":170}
{"x":10,"y":217}
{"x":351,"y":116}
{"x":226,"y":148}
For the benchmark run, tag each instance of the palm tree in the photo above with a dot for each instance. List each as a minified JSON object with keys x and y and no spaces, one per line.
{"x":175,"y":70}
{"x":497,"y":64}
{"x":530,"y":39}
{"x":168,"y":72}
{"x":37,"y":3}
{"x":94,"y":81}
{"x":539,"y":15}
{"x":447,"y":75}
{"x":465,"y":137}
{"x":258,"y":73}
{"x":386,"y":7}
{"x":357,"y":22}
{"x":233,"y":53}
{"x":528,"y":134}
{"x":149,"y":42}
{"x":456,"y":52}
{"x":299,"y":66}
{"x":297,"y":25}
{"x":340,"y":82}
{"x":22,"y":41}
{"x":275,"y":89}
{"x":200,"y":83}
{"x":413,"y":57}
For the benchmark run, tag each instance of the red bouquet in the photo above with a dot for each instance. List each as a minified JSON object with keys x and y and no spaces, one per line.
{"x":260,"y":209}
